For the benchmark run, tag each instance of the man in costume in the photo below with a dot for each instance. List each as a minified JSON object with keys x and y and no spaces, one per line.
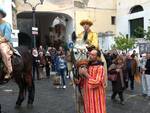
{"x":91,"y":40}
{"x":93,"y":84}
{"x":5,"y":40}
{"x":88,"y":36}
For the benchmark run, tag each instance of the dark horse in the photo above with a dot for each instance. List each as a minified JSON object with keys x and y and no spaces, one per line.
{"x":22,"y":74}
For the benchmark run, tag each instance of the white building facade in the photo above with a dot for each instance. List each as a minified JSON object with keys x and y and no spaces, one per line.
{"x":131,"y":15}
{"x":124,"y":15}
{"x":127,"y":16}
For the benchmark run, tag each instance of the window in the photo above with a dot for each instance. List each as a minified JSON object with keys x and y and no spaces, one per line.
{"x":113,"y":20}
{"x":136,"y":27}
{"x":136,"y":9}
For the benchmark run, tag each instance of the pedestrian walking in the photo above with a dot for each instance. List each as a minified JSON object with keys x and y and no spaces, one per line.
{"x":131,"y":65}
{"x":118,"y":85}
{"x":48,"y":64}
{"x":42,"y":64}
{"x":61,"y":67}
{"x":35,"y":63}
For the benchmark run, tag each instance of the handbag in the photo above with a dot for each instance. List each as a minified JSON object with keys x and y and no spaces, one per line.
{"x":56,"y":79}
{"x":112,"y":77}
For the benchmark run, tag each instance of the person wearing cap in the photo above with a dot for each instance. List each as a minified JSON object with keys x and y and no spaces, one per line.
{"x":88,"y":36}
{"x":5,"y":40}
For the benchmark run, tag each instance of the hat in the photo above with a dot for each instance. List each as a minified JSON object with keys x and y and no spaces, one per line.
{"x":86,"y":21}
{"x":2,"y":12}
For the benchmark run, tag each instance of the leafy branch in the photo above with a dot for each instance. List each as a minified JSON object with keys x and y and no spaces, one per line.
{"x":124,"y":43}
{"x":140,"y":30}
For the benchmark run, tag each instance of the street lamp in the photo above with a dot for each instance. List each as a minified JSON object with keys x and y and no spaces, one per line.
{"x":33,"y":18}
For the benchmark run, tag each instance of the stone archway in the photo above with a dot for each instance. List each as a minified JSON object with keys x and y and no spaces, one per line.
{"x":44,"y":21}
{"x":58,"y":32}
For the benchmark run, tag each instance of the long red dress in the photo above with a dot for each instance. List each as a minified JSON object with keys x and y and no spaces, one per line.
{"x":94,"y":91}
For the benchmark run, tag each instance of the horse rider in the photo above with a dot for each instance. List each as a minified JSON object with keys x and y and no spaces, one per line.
{"x":5,"y":44}
{"x":88,"y":36}
{"x":91,"y":40}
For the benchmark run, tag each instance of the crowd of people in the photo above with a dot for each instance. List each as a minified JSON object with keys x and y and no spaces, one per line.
{"x":128,"y":67}
{"x":51,"y":60}
{"x":124,"y":66}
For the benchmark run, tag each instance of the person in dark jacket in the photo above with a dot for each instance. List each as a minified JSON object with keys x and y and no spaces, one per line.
{"x":35,"y":63}
{"x":131,"y":65}
{"x":118,"y":86}
{"x":47,"y":65}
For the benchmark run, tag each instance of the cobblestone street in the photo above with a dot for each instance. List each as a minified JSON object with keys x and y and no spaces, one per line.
{"x":51,"y":100}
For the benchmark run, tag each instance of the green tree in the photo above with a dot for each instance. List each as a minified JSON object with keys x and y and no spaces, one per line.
{"x":124,"y":43}
{"x":139,"y":32}
{"x":147,"y":33}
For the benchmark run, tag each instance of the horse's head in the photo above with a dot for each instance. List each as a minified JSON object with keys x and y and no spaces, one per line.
{"x":80,"y":51}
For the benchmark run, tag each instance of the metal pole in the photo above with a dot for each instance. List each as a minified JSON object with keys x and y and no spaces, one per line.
{"x":33,"y":21}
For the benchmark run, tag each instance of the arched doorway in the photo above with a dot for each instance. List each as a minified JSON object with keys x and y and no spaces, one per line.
{"x":44,"y":23}
{"x":58,"y":32}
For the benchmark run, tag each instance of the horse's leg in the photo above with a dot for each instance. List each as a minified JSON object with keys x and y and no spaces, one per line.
{"x":31,"y":87}
{"x":22,"y":92}
{"x":31,"y":91}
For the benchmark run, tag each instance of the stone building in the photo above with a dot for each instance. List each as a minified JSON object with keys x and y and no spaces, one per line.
{"x":69,"y":13}
{"x":57,"y":19}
